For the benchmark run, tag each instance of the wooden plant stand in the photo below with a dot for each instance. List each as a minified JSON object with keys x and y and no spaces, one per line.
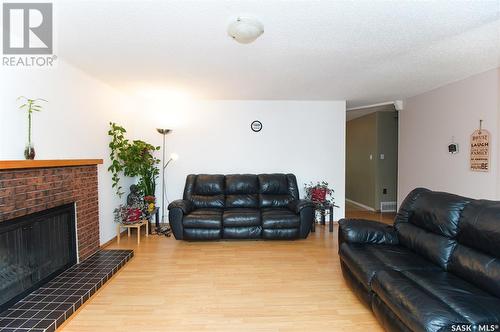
{"x":137,"y":226}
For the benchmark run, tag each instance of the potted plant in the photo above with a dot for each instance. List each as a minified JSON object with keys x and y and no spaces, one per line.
{"x":319,"y":193}
{"x":30,"y":105}
{"x":132,"y":158}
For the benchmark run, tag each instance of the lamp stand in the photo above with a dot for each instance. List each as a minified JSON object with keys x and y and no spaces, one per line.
{"x":166,"y":229}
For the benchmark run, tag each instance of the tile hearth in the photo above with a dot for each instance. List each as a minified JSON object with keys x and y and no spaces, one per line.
{"x":46,"y":308}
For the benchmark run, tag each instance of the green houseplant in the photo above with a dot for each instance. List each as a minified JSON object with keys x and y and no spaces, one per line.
{"x":132,"y":158}
{"x":30,"y":105}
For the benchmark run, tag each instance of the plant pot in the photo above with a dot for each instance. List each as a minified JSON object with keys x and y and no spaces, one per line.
{"x":29,"y":151}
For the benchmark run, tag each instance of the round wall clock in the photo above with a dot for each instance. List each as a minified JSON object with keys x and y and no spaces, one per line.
{"x":256,"y":126}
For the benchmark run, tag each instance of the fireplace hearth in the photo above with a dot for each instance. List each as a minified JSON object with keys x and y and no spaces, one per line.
{"x":34,"y":249}
{"x":46,"y":309}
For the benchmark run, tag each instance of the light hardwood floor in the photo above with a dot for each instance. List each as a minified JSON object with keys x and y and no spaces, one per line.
{"x":227,"y":286}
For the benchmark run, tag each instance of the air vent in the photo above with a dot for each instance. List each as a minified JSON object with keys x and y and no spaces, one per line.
{"x":388,"y":206}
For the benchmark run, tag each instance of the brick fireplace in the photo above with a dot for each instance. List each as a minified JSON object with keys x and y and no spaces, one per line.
{"x":27,"y":187}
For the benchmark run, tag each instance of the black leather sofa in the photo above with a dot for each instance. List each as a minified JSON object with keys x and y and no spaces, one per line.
{"x":241,"y":206}
{"x":436,"y":268}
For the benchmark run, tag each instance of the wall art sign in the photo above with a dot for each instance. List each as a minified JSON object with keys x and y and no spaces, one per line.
{"x":480,"y":151}
{"x":256,"y":126}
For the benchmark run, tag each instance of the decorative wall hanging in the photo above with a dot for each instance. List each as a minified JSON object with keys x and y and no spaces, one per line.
{"x":256,"y":126}
{"x":480,"y":150}
{"x":453,"y":146}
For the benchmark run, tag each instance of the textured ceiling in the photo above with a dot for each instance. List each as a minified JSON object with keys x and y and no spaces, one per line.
{"x":363,"y":51}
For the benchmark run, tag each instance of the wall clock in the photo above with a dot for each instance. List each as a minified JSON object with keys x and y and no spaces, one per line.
{"x":256,"y":126}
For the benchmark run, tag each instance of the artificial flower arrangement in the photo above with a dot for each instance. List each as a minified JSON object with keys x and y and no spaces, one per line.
{"x":319,"y":193}
{"x":150,"y":203}
{"x":131,"y":214}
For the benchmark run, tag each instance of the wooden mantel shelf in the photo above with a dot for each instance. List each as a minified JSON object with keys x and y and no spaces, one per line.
{"x":23,"y":164}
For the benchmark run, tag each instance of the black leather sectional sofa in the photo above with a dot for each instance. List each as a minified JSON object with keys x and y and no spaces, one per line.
{"x":436,"y":269}
{"x":241,"y":206}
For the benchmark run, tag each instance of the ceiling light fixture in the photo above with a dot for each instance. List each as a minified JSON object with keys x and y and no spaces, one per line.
{"x":245,"y":30}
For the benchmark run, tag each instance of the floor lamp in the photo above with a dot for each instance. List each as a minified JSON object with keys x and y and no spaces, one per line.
{"x":165,"y":230}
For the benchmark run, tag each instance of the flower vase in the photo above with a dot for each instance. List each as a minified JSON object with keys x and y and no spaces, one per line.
{"x":29,"y":151}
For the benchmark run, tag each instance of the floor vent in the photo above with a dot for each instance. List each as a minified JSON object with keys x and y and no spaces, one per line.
{"x":388,"y":206}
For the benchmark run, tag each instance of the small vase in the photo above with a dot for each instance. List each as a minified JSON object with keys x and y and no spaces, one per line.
{"x":29,"y":151}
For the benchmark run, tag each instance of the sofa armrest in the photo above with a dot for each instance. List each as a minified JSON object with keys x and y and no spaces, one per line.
{"x":366,"y":232}
{"x":176,"y":211}
{"x":305,"y":210}
{"x":185,"y":205}
{"x":299,"y":204}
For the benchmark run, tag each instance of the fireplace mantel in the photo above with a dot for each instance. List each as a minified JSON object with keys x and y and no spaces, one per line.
{"x":25,"y":164}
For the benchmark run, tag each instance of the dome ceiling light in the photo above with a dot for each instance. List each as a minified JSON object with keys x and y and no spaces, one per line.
{"x":245,"y":30}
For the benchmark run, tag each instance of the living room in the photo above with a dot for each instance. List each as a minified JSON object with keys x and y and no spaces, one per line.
{"x":243,"y":108}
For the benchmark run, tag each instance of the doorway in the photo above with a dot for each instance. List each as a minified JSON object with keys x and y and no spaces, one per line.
{"x":372,"y":160}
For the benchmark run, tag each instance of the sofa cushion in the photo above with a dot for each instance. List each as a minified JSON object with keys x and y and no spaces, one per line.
{"x":242,"y":201}
{"x":365,"y":261}
{"x":249,"y":232}
{"x":241,"y":217}
{"x":273,"y":184}
{"x":413,"y":305}
{"x":438,"y":212}
{"x":203,"y":218}
{"x":242,"y":184}
{"x":208,"y":184}
{"x":207,"y":191}
{"x":280,"y":234}
{"x":405,"y":211}
{"x":432,"y":301}
{"x":274,"y":190}
{"x":477,"y":256}
{"x":208,"y":201}
{"x":242,"y":191}
{"x":479,"y":227}
{"x":201,"y":234}
{"x":431,"y":224}
{"x":472,"y":303}
{"x":279,"y":218}
{"x":432,"y":246}
{"x":386,"y":317}
{"x":477,"y":267}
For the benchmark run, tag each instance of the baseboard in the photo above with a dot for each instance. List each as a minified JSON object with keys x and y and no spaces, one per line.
{"x":366,"y":207}
{"x":104,"y":245}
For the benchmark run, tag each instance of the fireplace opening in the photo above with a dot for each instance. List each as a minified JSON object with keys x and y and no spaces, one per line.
{"x":34,"y":249}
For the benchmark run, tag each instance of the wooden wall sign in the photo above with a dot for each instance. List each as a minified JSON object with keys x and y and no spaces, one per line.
{"x":480,"y":151}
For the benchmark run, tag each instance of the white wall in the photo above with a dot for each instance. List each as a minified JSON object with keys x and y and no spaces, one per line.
{"x":73,"y":124}
{"x":306,"y":138}
{"x":427,"y":125}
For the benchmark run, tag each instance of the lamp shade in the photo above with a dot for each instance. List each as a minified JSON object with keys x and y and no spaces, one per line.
{"x":163,"y":131}
{"x":245,"y":30}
